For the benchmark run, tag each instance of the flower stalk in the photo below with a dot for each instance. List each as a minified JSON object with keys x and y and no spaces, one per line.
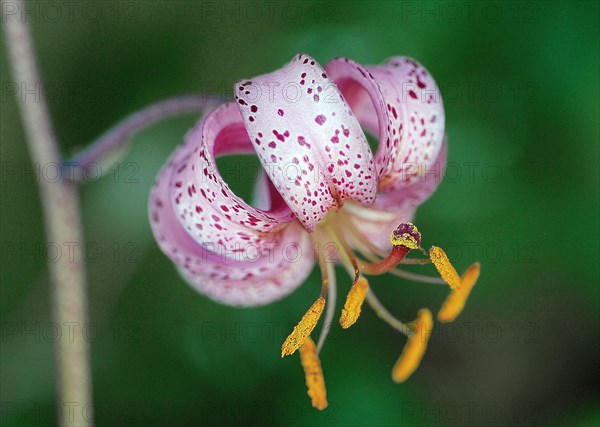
{"x":62,"y":222}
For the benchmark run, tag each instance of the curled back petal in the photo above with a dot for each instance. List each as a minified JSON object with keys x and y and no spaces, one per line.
{"x":308,"y":140}
{"x":400,"y":102}
{"x":232,"y":252}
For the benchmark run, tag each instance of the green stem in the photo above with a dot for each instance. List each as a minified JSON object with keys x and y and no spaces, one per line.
{"x":62,"y":221}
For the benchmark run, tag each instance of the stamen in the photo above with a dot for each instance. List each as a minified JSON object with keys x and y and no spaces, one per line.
{"x":348,"y":258}
{"x":455,"y":302}
{"x":385,"y":315}
{"x":354,"y":302}
{"x":414,"y":349}
{"x":315,"y":382}
{"x":416,"y":261}
{"x":409,"y":275}
{"x":329,"y":271}
{"x":404,"y":238}
{"x":303,"y":329}
{"x":444,"y":267}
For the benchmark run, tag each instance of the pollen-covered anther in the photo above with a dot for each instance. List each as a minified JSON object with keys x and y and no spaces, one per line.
{"x":354,"y":302}
{"x":406,"y":234}
{"x":444,"y":267}
{"x":315,"y":382}
{"x":454,"y":304}
{"x":414,"y":349}
{"x":303,"y":329}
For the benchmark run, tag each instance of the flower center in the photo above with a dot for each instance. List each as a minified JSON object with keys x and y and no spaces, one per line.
{"x":337,"y":239}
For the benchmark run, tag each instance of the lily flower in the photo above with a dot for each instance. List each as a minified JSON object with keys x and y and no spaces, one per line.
{"x":324,"y":197}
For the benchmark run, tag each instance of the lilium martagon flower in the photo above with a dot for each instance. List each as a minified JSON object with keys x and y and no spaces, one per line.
{"x":310,"y":120}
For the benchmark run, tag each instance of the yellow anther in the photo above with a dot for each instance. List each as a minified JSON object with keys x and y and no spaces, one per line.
{"x":315,"y":382}
{"x":354,"y":302}
{"x":303,"y":328}
{"x":442,"y":263}
{"x":414,"y":349}
{"x":455,"y":302}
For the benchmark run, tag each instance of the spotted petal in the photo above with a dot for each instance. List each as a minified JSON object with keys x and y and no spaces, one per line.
{"x":395,"y":207}
{"x":401,"y":103}
{"x":230,"y":251}
{"x":308,"y":140}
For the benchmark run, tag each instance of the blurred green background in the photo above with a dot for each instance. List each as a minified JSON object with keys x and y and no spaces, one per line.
{"x":520,"y":83}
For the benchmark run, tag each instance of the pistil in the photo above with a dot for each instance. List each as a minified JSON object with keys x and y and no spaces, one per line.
{"x":404,"y":238}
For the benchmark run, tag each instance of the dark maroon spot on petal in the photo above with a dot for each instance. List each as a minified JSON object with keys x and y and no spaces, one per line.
{"x":254,"y":108}
{"x":280,"y":112}
{"x":279,"y":136}
{"x":272,"y":144}
{"x":412,"y":94}
{"x":320,"y":119}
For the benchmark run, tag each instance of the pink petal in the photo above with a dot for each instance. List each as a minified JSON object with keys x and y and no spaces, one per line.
{"x":206,"y":207}
{"x":375,"y":224}
{"x":276,"y":271}
{"x":402,"y":103}
{"x":419,"y":189}
{"x":395,"y":207}
{"x":308,"y":140}
{"x":254,"y":256}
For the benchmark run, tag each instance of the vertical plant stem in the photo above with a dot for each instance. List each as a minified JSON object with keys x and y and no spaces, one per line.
{"x":62,"y":222}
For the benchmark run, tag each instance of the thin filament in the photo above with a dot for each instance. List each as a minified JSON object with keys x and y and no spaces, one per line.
{"x":385,"y":315}
{"x":417,"y":277}
{"x":347,"y":256}
{"x":331,"y":297}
